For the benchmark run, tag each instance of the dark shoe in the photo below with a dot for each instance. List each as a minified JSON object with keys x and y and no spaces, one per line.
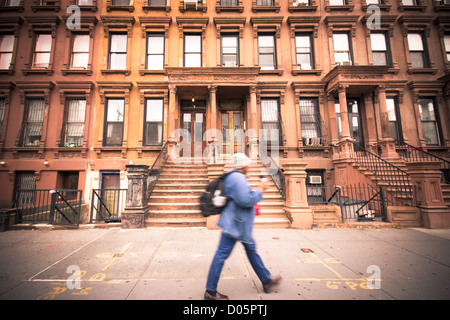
{"x":273,"y":282}
{"x":218,"y":296}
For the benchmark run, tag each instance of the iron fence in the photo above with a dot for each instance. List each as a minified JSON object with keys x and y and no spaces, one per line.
{"x":54,"y":206}
{"x":107,"y":204}
{"x":156,"y":169}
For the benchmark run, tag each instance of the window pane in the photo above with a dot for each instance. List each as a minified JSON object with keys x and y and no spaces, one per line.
{"x":119,"y":43}
{"x":340,"y":42}
{"x":115,"y":110}
{"x":265,"y":41}
{"x":155,"y":62}
{"x":303,"y":43}
{"x":5,"y":60}
{"x":337,"y":2}
{"x":41,"y":59}
{"x":193,"y":60}
{"x":6,"y":43}
{"x":80,"y":60}
{"x":229,"y":41}
{"x":153,"y":133}
{"x":447,"y":42}
{"x":417,"y":59}
{"x":118,"y":61}
{"x":426,"y":109}
{"x":269,"y":110}
{"x":379,"y":58}
{"x":378,"y":41}
{"x":81,"y":43}
{"x":193,"y":43}
{"x":391,"y":109}
{"x":114,"y":133}
{"x":415,"y":42}
{"x":155,"y":45}
{"x":155,"y":110}
{"x":43,"y":42}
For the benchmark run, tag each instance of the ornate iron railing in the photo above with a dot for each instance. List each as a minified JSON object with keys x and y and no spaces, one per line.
{"x":156,"y":169}
{"x":385,"y":172}
{"x":410,"y":153}
{"x":272,"y":169}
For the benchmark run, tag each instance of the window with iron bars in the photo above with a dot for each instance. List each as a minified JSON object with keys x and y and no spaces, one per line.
{"x":73,"y":128}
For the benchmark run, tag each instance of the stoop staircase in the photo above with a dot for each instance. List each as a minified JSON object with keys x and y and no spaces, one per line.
{"x":175,"y":198}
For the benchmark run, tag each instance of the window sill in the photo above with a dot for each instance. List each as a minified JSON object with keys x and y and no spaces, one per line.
{"x":46,"y":71}
{"x":119,"y":8}
{"x":309,"y":71}
{"x":45,"y":8}
{"x":220,"y":9}
{"x":87,"y":72}
{"x":144,"y":72}
{"x":126,"y":72}
{"x":402,"y":8}
{"x":7,"y":71}
{"x":422,"y":70}
{"x":278,"y":72}
{"x":302,"y":8}
{"x":339,"y":8}
{"x":156,"y":8}
{"x":12,"y":8}
{"x":88,"y":8}
{"x":266,"y":9}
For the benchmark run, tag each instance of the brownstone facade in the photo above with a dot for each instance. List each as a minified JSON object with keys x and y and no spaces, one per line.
{"x":135,"y":74}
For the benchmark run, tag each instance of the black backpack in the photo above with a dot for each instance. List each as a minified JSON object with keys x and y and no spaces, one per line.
{"x":212,"y":201}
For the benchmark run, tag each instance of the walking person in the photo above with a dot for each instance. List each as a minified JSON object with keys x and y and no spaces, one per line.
{"x":236,"y":222}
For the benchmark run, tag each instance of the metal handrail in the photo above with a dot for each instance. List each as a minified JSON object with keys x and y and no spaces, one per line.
{"x":410,"y":153}
{"x":277,"y":174}
{"x":156,"y":169}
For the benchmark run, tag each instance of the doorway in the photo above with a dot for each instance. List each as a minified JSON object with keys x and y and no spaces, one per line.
{"x":193,"y":121}
{"x":232,"y":128}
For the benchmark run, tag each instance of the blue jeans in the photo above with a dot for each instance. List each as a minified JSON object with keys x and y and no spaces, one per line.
{"x":226,"y":245}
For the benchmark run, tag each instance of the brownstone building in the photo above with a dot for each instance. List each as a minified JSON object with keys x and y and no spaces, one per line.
{"x":328,"y":85}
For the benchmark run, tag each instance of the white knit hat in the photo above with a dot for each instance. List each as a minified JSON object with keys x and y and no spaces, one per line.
{"x":240,"y":160}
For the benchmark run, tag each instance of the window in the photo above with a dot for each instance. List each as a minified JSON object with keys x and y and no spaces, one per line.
{"x":270,"y":122}
{"x":393,"y":117}
{"x":2,"y":114}
{"x":417,"y":50}
{"x":114,"y":117}
{"x":34,"y":122}
{"x":338,"y":2}
{"x":230,"y":50}
{"x":84,"y":2}
{"x":6,"y":50}
{"x":74,"y":123}
{"x":155,"y":52}
{"x":266,"y":52}
{"x":80,"y":51}
{"x":118,"y":52}
{"x":264,"y":2}
{"x":12,"y":3}
{"x":229,"y":3}
{"x":120,"y":2}
{"x":192,"y":50}
{"x":42,"y":51}
{"x":342,"y":53}
{"x":156,"y":2}
{"x":310,"y":121}
{"x":428,"y":117}
{"x":304,"y":51}
{"x":25,"y":180}
{"x":380,"y":49}
{"x":447,"y":46}
{"x":154,"y":118}
{"x":409,"y":2}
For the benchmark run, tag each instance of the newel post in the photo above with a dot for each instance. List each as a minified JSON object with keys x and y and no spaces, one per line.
{"x":136,"y":206}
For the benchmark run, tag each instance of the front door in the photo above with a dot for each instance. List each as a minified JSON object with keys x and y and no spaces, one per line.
{"x":193,"y":121}
{"x":110,"y":184}
{"x":232,"y":125}
{"x":354,"y":120}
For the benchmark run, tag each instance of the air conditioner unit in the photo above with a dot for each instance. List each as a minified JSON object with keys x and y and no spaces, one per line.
{"x":299,"y":3}
{"x":445,"y":1}
{"x":306,"y":141}
{"x":316,"y":141}
{"x":230,"y":64}
{"x":305,"y":66}
{"x":315,"y":179}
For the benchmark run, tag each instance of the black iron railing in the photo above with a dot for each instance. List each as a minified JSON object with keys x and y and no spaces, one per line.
{"x":156,"y":169}
{"x":397,"y":181}
{"x":107,"y":204}
{"x":410,"y":153}
{"x":272,"y":169}
{"x":54,"y":206}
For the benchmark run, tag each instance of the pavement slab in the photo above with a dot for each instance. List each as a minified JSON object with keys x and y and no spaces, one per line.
{"x":172,"y":264}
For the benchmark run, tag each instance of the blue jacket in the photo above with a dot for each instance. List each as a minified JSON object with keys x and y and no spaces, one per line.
{"x":237,"y":218}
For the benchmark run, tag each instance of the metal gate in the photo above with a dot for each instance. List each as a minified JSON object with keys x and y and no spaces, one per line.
{"x":55,"y":206}
{"x":363,"y":203}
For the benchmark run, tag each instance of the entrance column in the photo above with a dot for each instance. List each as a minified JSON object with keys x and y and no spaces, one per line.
{"x":213,"y":113}
{"x":370,"y":120}
{"x":253,"y":130}
{"x":345,"y":143}
{"x":387,"y":143}
{"x":171,"y":119}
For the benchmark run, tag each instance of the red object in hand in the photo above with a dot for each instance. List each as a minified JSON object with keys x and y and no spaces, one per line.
{"x":256,"y":207}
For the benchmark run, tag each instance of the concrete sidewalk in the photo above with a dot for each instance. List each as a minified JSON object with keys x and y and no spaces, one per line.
{"x":172,"y":264}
